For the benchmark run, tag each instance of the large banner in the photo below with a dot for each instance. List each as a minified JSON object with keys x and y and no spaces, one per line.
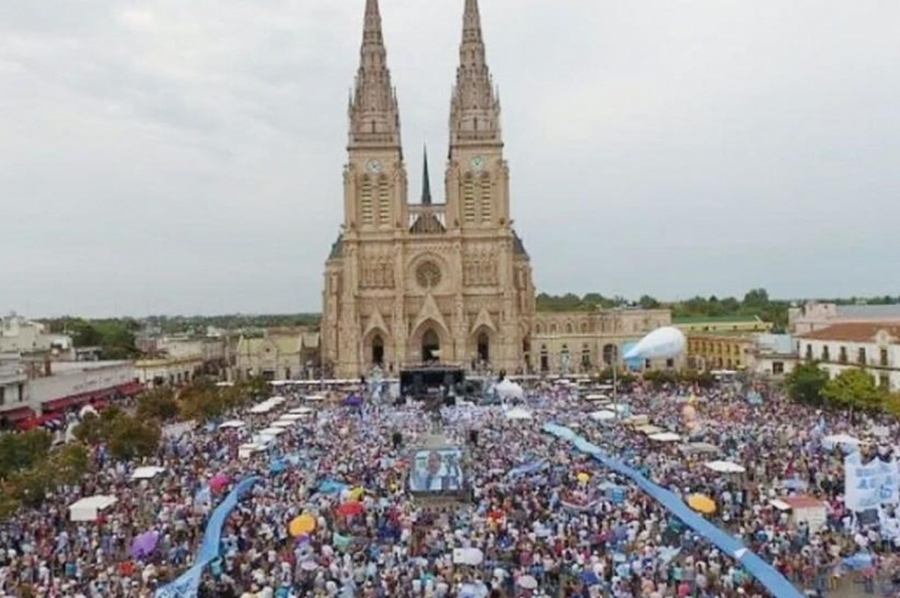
{"x":870,"y":485}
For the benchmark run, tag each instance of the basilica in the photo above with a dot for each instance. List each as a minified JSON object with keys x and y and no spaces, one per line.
{"x":407,"y":283}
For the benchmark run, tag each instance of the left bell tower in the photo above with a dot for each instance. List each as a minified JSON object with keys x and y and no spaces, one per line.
{"x":375,"y":176}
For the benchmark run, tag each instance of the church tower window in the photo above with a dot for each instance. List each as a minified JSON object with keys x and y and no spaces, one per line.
{"x":485,"y":198}
{"x":469,"y":198}
{"x":366,"y":209}
{"x":384,"y":201}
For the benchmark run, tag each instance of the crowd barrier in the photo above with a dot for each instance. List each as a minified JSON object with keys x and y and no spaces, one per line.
{"x":762,"y":571}
{"x":188,"y":583}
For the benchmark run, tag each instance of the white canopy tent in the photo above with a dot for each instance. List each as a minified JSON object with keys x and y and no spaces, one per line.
{"x":262,"y":408}
{"x":89,"y":508}
{"x":507,"y":389}
{"x":291,"y":417}
{"x":665,"y":437}
{"x":302,"y":411}
{"x":603,"y":415}
{"x":596,"y":397}
{"x":284,"y":424}
{"x":147,"y":473}
{"x":315,"y":398}
{"x":272,"y":431}
{"x":516,"y":413}
{"x":233,"y":423}
{"x":725,"y":467}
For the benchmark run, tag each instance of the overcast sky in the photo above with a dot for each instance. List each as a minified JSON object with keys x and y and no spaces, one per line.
{"x":166,"y":156}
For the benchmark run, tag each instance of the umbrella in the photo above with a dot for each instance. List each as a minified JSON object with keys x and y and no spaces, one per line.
{"x":144,"y":545}
{"x":702,"y":504}
{"x":583,"y":477}
{"x":590,"y":578}
{"x":219,"y":481}
{"x":527,"y":582}
{"x":303,"y":524}
{"x":349,"y":509}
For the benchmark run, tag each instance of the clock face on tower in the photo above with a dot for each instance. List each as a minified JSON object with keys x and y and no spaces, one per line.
{"x":373,"y":166}
{"x":477,"y":163}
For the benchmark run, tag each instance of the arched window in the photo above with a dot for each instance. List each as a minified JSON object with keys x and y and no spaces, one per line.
{"x":553,"y":329}
{"x":584,"y":328}
{"x":585,"y":357}
{"x":538,"y":329}
{"x":384,"y":201}
{"x":377,"y":350}
{"x":545,"y":359}
{"x":569,"y":328}
{"x":484,"y":347}
{"x":485,"y":198}
{"x":366,"y":209}
{"x":468,"y":198}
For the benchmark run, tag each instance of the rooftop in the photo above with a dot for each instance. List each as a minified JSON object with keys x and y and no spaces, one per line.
{"x":60,"y":367}
{"x":854,"y":332}
{"x":869,"y":312}
{"x":716,"y":320}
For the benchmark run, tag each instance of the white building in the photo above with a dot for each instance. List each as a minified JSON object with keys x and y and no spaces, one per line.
{"x":19,"y":335}
{"x":773,"y":354}
{"x":816,"y":316}
{"x":14,"y":403}
{"x":874,"y":346}
{"x":168,"y":370}
{"x":76,"y":383}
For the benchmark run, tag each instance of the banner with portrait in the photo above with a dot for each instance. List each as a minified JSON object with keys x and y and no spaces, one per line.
{"x":868,"y":485}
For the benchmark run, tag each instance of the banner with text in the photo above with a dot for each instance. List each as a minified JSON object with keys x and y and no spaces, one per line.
{"x":870,"y":485}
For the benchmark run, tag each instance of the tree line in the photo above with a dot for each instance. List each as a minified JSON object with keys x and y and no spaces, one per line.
{"x":31,"y":469}
{"x":853,"y":389}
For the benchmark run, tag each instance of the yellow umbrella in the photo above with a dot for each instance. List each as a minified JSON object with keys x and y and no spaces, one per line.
{"x":702,"y":504}
{"x":303,"y":524}
{"x":583,"y":477}
{"x":356,"y":493}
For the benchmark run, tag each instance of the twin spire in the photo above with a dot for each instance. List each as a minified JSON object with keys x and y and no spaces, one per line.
{"x":374,"y":112}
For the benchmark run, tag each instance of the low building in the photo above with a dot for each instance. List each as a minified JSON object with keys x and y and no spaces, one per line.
{"x":719,"y":325}
{"x":874,"y":346}
{"x":72,"y":384}
{"x":774,"y":355}
{"x":23,"y":336}
{"x":710,"y":351}
{"x":173,"y":371}
{"x":813,"y":315}
{"x":584,"y":342}
{"x":279,"y":353}
{"x":14,"y":403}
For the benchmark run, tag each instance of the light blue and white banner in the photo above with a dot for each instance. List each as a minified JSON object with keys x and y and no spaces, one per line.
{"x":870,"y":485}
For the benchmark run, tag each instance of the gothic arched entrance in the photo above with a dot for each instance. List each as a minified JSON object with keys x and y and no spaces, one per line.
{"x":377,"y":350}
{"x":484,"y":347}
{"x":431,"y":345}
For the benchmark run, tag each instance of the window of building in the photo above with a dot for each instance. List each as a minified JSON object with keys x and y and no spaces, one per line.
{"x":884,"y":358}
{"x":21,"y":392}
{"x":468,"y":198}
{"x":569,"y":328}
{"x":884,"y":381}
{"x":670,"y":363}
{"x":384,"y":201}
{"x":366,"y":208}
{"x":842,"y":355}
{"x":809,"y":351}
{"x":647,"y":364}
{"x":778,"y":368}
{"x":485,"y":198}
{"x":545,"y":359}
{"x":2,"y":395}
{"x":585,"y":357}
{"x":861,"y":355}
{"x":826,"y":353}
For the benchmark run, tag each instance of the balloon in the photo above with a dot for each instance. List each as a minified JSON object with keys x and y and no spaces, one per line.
{"x":662,"y":343}
{"x":583,"y":477}
{"x":301,"y":525}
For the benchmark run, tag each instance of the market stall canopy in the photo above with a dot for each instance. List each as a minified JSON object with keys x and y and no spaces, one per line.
{"x":89,"y":508}
{"x":665,"y":437}
{"x":602,"y":415}
{"x":507,"y":389}
{"x":516,"y":413}
{"x":725,"y":467}
{"x":233,"y":423}
{"x":147,"y":472}
{"x":301,"y":411}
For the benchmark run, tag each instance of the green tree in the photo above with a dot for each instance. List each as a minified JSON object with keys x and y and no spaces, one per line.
{"x":806,"y":383}
{"x":159,"y":404}
{"x":69,"y":463}
{"x":23,"y":450}
{"x":855,"y":389}
{"x":132,"y":438}
{"x":648,"y":302}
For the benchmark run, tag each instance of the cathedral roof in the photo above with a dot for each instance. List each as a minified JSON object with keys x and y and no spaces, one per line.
{"x":427,"y":223}
{"x":336,"y":248}
{"x":519,"y":246}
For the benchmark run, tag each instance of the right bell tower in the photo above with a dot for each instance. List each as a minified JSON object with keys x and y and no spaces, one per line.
{"x":477,"y":176}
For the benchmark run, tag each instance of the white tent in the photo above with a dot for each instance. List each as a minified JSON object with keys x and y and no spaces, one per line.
{"x":147,"y":473}
{"x":290,"y":417}
{"x":262,"y":408}
{"x":245,"y":451}
{"x":507,"y":389}
{"x":301,"y":411}
{"x":315,"y":398}
{"x":87,"y":509}
{"x":517,"y":413}
{"x":665,"y":437}
{"x":725,"y":467}
{"x":232,"y":423}
{"x":285,"y":424}
{"x":602,"y":415}
{"x":276,"y":401}
{"x":272,"y":431}
{"x":596,"y":397}
{"x":224,"y":384}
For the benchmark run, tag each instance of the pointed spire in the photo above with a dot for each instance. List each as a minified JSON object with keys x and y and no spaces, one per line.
{"x":374,"y":114}
{"x":426,"y":182}
{"x":474,"y":110}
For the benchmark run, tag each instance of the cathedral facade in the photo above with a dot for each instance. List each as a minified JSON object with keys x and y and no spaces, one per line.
{"x":411,"y":283}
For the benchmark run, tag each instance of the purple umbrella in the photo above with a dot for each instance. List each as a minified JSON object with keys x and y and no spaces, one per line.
{"x":145,"y":544}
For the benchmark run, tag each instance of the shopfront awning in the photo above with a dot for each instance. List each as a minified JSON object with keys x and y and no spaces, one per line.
{"x":17,"y":414}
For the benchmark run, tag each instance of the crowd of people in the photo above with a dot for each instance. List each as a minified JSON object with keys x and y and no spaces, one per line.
{"x":333,"y":514}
